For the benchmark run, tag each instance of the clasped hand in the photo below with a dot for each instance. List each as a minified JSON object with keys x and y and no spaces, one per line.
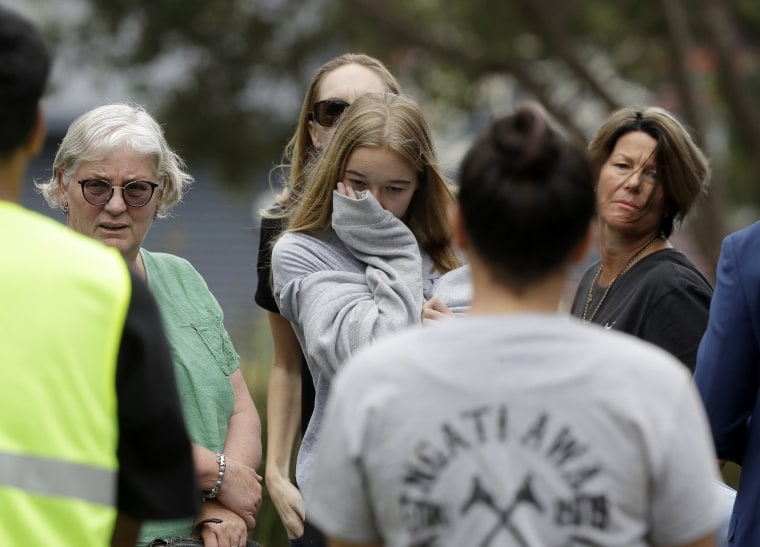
{"x":434,"y":311}
{"x":241,"y":492}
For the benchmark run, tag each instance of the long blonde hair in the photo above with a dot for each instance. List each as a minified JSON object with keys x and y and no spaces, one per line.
{"x":383,"y":120}
{"x":300,"y":150}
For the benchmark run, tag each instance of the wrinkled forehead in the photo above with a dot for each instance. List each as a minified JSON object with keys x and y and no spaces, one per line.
{"x":626,"y":140}
{"x":107,"y":156}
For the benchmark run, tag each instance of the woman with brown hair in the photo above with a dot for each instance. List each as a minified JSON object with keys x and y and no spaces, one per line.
{"x":650,"y":174}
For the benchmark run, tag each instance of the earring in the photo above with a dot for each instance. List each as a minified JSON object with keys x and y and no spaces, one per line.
{"x":66,"y":209}
{"x":155,"y":215}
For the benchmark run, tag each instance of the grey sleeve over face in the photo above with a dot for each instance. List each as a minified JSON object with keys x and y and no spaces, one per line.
{"x":337,"y":306}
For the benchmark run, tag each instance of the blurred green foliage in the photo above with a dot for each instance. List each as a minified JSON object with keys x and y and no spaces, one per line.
{"x":227,"y":76}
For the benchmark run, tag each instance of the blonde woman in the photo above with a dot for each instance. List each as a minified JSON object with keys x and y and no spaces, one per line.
{"x":334,"y":86}
{"x":367,"y":240}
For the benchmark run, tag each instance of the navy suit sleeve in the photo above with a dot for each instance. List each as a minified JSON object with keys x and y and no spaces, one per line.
{"x":728,"y":356}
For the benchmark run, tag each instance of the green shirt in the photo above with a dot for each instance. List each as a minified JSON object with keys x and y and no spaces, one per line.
{"x":203,"y":357}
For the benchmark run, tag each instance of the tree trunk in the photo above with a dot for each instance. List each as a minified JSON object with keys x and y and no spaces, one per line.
{"x":707,"y":227}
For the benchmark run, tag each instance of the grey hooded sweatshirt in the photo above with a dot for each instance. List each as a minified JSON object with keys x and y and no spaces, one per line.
{"x":354,"y":283}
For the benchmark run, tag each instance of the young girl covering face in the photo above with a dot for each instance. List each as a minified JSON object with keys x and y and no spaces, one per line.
{"x":366,"y":243}
{"x":385,"y":174}
{"x":334,"y":86}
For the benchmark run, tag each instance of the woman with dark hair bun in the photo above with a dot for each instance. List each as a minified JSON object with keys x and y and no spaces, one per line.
{"x":516,"y":424}
{"x":524,"y":197}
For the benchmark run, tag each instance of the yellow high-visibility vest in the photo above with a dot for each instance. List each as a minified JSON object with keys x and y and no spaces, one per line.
{"x":63,"y":302}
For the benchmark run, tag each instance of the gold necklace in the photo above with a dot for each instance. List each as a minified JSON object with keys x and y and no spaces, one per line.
{"x":590,"y":294}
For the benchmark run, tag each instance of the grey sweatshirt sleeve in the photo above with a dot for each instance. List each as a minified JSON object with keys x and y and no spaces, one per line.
{"x":339,"y":311}
{"x":454,"y":289}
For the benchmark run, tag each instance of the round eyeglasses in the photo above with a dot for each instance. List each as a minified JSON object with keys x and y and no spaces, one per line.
{"x":326,"y":112}
{"x":136,"y":193}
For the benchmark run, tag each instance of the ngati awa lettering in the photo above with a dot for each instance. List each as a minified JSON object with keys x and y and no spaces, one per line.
{"x":488,"y":428}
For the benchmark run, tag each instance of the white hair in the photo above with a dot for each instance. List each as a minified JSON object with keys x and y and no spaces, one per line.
{"x":98,"y":132}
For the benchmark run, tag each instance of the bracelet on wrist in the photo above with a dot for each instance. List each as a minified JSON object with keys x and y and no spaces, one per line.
{"x":211,"y":494}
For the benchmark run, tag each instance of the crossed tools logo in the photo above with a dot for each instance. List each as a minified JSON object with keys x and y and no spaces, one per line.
{"x":503,"y":474}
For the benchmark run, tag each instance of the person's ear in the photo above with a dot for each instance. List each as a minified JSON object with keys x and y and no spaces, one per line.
{"x":456,"y":222}
{"x":159,"y":200}
{"x":61,"y":186}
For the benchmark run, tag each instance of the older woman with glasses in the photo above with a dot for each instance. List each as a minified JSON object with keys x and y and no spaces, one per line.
{"x":114,"y":173}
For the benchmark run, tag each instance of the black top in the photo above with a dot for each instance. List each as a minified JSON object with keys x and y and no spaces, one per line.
{"x":271,"y":228}
{"x":662,"y":299}
{"x":156,"y":475}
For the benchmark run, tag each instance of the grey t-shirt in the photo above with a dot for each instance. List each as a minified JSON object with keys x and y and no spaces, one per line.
{"x":515,"y":430}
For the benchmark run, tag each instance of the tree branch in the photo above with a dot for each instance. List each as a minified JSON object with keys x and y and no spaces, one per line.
{"x":709,"y":230}
{"x":557,"y":42}
{"x":476,"y":61}
{"x":744,"y":107}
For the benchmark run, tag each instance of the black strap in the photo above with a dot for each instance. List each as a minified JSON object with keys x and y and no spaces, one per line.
{"x":175,"y":542}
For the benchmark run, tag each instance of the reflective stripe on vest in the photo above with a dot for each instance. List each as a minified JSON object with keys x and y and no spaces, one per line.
{"x":58,"y":478}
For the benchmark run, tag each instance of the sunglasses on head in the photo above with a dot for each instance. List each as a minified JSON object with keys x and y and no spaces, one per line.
{"x":326,"y":112}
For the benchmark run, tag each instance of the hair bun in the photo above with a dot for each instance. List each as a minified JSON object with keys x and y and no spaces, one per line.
{"x":526,"y":143}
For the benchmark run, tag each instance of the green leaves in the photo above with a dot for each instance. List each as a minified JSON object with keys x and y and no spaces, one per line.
{"x":227,"y":77}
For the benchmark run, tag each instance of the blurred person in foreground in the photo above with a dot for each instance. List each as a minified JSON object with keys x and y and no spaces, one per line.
{"x":515,"y":424}
{"x":728,"y":374}
{"x":86,"y":381}
{"x":113,"y":175}
{"x":334,"y":86}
